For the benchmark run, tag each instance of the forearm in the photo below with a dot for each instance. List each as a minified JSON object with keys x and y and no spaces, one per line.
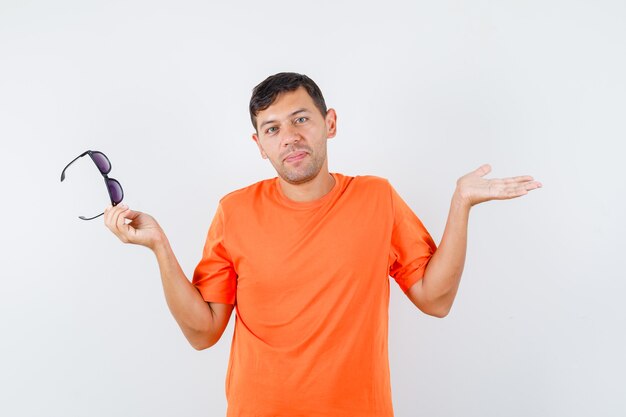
{"x":435,"y":292}
{"x":189,"y":309}
{"x":443,"y":272}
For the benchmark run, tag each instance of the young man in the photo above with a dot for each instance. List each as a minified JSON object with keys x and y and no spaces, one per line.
{"x":305,"y":258}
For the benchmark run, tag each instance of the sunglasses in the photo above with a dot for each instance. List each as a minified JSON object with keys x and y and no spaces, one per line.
{"x":104,"y":165}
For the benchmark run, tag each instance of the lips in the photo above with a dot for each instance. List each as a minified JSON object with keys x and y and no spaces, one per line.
{"x":295,"y":156}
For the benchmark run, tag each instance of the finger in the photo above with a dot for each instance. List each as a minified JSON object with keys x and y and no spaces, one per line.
{"x":507,"y":192}
{"x":108,"y":213}
{"x":121,"y":225}
{"x":114,"y":215}
{"x":513,"y":180}
{"x":533,"y":185}
{"x":132,"y":215}
{"x":121,"y":218}
{"x":528,"y":185}
{"x":118,"y":217}
{"x":521,"y":178}
{"x":125,"y":229}
{"x":513,"y":191}
{"x":483,"y":170}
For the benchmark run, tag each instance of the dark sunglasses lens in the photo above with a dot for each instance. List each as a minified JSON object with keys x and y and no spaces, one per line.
{"x":102,"y":162}
{"x":115,"y":190}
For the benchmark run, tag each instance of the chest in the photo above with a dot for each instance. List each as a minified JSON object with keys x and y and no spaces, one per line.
{"x":297,"y":255}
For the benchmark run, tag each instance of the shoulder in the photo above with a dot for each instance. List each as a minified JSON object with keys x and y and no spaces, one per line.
{"x":372,"y":180}
{"x":244,"y":197}
{"x":370,"y":188}
{"x":372,"y":183}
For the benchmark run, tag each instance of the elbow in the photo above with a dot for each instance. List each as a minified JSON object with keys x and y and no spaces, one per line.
{"x":201,"y":344}
{"x":441,"y":313}
{"x":434,"y":308}
{"x":201,"y":340}
{"x":435,"y":302}
{"x":198,"y":347}
{"x":440,"y":307}
{"x":438,"y":310}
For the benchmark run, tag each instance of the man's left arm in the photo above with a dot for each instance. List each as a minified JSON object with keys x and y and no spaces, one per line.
{"x":435,"y":292}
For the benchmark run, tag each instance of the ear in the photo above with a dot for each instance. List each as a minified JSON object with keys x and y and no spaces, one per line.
{"x":331,"y":123}
{"x":255,"y":138}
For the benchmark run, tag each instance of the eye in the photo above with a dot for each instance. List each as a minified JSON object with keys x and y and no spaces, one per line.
{"x":301,"y":119}
{"x":271,"y":129}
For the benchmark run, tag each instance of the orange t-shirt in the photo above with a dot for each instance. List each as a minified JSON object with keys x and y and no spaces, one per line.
{"x":310,"y":284}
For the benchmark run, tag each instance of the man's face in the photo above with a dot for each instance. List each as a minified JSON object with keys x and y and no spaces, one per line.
{"x":292,"y":134}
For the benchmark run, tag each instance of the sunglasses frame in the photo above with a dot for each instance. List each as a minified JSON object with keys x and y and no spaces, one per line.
{"x":104,"y":174}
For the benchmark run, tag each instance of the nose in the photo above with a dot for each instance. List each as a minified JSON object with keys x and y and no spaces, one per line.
{"x":290,"y":135}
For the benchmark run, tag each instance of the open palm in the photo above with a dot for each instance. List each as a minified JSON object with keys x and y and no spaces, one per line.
{"x":475,"y":189}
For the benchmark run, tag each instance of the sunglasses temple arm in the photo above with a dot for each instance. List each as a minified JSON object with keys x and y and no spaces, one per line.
{"x":90,"y":218}
{"x":67,"y":166}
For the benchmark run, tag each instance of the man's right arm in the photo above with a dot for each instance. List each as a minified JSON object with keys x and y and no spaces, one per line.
{"x":202,"y":323}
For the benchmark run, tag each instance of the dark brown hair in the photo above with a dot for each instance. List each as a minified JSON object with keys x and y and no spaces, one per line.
{"x":264,"y":94}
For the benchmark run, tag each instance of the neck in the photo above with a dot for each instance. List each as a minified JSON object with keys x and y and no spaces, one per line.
{"x":318,"y":187}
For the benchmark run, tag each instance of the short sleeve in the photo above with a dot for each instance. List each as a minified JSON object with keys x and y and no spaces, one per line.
{"x":215,"y":276}
{"x":411,"y":245}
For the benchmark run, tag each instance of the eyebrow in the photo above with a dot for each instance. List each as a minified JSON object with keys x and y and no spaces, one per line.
{"x":292,"y":114}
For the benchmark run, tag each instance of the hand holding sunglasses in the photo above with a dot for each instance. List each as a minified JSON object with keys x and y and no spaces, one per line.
{"x":116,"y":194}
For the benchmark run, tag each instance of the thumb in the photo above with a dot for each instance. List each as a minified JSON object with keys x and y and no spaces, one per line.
{"x":132,"y":215}
{"x":483,"y":170}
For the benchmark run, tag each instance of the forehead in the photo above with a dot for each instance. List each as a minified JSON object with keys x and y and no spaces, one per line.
{"x":285,"y":104}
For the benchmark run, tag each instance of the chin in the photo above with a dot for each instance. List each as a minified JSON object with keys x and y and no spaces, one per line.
{"x":296,"y":179}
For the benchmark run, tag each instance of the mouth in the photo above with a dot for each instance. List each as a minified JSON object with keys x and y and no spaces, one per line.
{"x":296,"y":156}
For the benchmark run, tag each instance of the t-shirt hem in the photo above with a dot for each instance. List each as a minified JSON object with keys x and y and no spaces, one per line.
{"x":415,"y":277}
{"x":212,"y":297}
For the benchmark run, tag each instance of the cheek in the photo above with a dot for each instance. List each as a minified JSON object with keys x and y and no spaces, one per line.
{"x":267,"y":146}
{"x":271,"y":151}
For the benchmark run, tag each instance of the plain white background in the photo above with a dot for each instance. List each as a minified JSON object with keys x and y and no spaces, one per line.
{"x":424,"y":91}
